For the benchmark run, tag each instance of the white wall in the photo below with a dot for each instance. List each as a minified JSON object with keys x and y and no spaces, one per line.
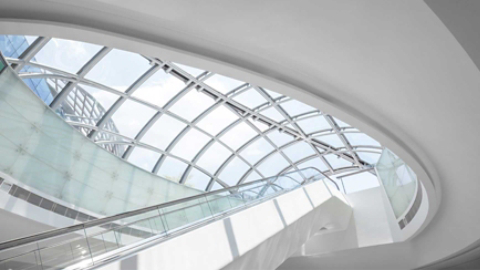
{"x":368,"y":226}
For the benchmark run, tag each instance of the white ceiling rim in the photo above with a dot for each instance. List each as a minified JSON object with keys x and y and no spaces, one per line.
{"x":120,"y":32}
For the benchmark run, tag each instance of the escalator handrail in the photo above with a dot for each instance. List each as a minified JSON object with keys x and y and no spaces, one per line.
{"x":97,"y":222}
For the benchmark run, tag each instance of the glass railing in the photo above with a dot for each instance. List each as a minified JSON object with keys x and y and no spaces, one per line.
{"x":94,"y":242}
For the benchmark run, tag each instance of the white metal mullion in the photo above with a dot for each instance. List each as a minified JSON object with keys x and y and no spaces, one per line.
{"x":31,"y":51}
{"x":294,"y":124}
{"x":60,"y":97}
{"x":260,"y":135}
{"x":121,"y":100}
{"x":344,"y":140}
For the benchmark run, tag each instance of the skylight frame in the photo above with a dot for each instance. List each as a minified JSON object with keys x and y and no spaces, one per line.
{"x":246,"y":115}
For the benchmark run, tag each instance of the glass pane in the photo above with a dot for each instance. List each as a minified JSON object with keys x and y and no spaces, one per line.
{"x":337,"y":162}
{"x":371,"y":158}
{"x":298,"y":151}
{"x":144,"y":158}
{"x":340,"y":123}
{"x":197,"y":179}
{"x":192,"y":105}
{"x":273,"y":165}
{"x":238,"y":135}
{"x":103,"y":98}
{"x":255,"y":151}
{"x":13,"y":46}
{"x":217,"y":120}
{"x":191,"y":70}
{"x":161,"y":134}
{"x":252,"y":177}
{"x":190,"y":144}
{"x":279,"y":138}
{"x":315,"y":163}
{"x":313,"y":124}
{"x":159,"y":88}
{"x":216,"y":186}
{"x":250,"y":98}
{"x":119,"y":69}
{"x":273,"y":114}
{"x":172,"y":169}
{"x":214,"y":157}
{"x":361,"y":139}
{"x":295,"y":107}
{"x":66,"y":55}
{"x":273,"y":94}
{"x":332,"y":140}
{"x":234,"y":171}
{"x":261,"y":126}
{"x":222,"y":84}
{"x":131,"y":117}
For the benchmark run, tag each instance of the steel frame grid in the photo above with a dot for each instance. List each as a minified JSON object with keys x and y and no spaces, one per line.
{"x":244,"y":114}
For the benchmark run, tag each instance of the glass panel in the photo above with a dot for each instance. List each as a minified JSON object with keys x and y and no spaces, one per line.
{"x":172,"y":169}
{"x":192,"y":105}
{"x":295,"y":107}
{"x":159,"y":88}
{"x":340,"y":123}
{"x":191,"y":70}
{"x":252,"y":177}
{"x":197,"y":179}
{"x":273,"y":114}
{"x":214,"y":157}
{"x":371,"y":158}
{"x":104,"y":98}
{"x":337,"y":162}
{"x":359,"y":182}
{"x":361,"y":139}
{"x":66,"y":55}
{"x":298,"y":151}
{"x":119,"y":69}
{"x":399,"y":181}
{"x":216,"y":186}
{"x":238,"y":135}
{"x":234,"y":171}
{"x":222,"y":84}
{"x":255,"y":151}
{"x":279,"y":138}
{"x":273,"y":165}
{"x":190,"y":144}
{"x":13,"y":46}
{"x":165,"y":129}
{"x":261,"y":126}
{"x":273,"y":94}
{"x":313,"y":124}
{"x":144,"y":158}
{"x":332,"y":140}
{"x":250,"y":98}
{"x":314,"y":162}
{"x":131,"y":117}
{"x":217,"y":120}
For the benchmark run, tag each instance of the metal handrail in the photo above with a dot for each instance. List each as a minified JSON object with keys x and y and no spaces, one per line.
{"x":97,"y":222}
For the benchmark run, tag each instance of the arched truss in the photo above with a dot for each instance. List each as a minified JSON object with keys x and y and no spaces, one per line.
{"x":101,"y":128}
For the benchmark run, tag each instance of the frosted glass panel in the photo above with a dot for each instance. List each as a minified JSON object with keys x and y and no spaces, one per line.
{"x":42,"y":151}
{"x":399,"y":181}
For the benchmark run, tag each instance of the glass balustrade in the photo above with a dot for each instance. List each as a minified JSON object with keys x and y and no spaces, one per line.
{"x":90,"y":243}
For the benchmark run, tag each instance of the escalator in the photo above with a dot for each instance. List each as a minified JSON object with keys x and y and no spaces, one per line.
{"x":96,"y":243}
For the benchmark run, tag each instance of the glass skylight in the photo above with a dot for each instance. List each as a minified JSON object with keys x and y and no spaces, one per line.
{"x":159,"y":88}
{"x":195,"y":134}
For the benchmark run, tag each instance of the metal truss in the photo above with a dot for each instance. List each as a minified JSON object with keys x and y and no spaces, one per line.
{"x":97,"y":124}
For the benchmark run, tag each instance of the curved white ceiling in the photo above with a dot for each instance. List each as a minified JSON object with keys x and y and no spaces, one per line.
{"x":390,"y":68}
